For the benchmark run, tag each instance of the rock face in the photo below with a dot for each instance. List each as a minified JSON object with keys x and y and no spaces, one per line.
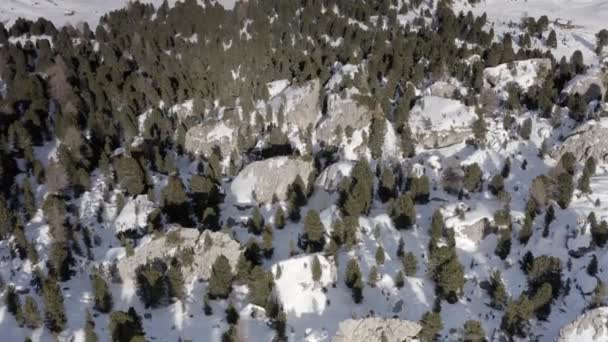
{"x":300,"y":104}
{"x":201,"y":139}
{"x":591,"y":326}
{"x":376,"y":330}
{"x":588,"y":140}
{"x":438,"y":122}
{"x":218,"y":243}
{"x":344,"y":112}
{"x":133,"y":217}
{"x":331,"y":177}
{"x":523,"y":73}
{"x":591,"y":85}
{"x":262,"y":180}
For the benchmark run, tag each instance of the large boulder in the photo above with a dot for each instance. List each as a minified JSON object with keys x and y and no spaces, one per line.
{"x":202,"y":139}
{"x":133,"y":217}
{"x":206,"y":247}
{"x":524,"y":73}
{"x":587,"y":140}
{"x":438,"y":122}
{"x":591,"y":326}
{"x":591,"y":85}
{"x":262,"y":181}
{"x":331,"y":177}
{"x":299,"y":103}
{"x":375,"y":329}
{"x":345,"y":112}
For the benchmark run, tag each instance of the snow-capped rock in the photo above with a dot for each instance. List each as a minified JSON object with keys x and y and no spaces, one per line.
{"x":203,"y":138}
{"x":300,"y":104}
{"x":591,"y":85}
{"x":376,"y":329}
{"x":206,"y":248}
{"x":331,"y":177}
{"x":297,"y":291}
{"x":587,"y":140}
{"x":262,"y":180}
{"x":133,"y":217}
{"x":524,"y":73}
{"x":439,"y":122}
{"x":591,"y":326}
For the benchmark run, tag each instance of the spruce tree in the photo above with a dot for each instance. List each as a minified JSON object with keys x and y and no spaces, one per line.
{"x":13,"y":303}
{"x":377,"y":134}
{"x":256,"y":223}
{"x":279,"y":218}
{"x":31,"y":315}
{"x":175,"y":280}
{"x":565,"y":189}
{"x":220,"y":282}
{"x":399,"y":279}
{"x":431,"y":326}
{"x":126,"y":326}
{"x":410,"y":264}
{"x":403,"y":212}
{"x":380,"y":255}
{"x":552,"y":40}
{"x":386,"y":186}
{"x":314,"y":232}
{"x":55,"y":318}
{"x":316,"y":270}
{"x":372,"y":277}
{"x":527,"y":229}
{"x":497,"y":291}
{"x":473,"y":332}
{"x":175,"y":201}
{"x":101,"y":294}
{"x":89,"y":329}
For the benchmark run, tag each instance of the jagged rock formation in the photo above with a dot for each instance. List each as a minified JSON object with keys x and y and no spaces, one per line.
{"x":376,"y":329}
{"x":591,"y":326}
{"x":331,"y":177}
{"x":439,"y":122}
{"x":206,"y":247}
{"x":203,"y":138}
{"x":588,"y":140}
{"x":299,"y":104}
{"x":261,"y":181}
{"x":346,"y":113}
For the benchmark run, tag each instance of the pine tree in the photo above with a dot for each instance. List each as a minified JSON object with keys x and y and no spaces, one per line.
{"x":89,"y":329}
{"x":403,"y":212}
{"x":376,"y":137}
{"x":279,"y":218}
{"x":315,"y":268}
{"x":527,"y":229}
{"x":380,"y":255}
{"x":126,"y":326}
{"x":55,"y":318}
{"x":256,"y":223}
{"x":599,"y":232}
{"x":399,"y":279}
{"x":526,"y":129}
{"x":31,"y":315}
{"x":175,"y":280}
{"x":220,"y":282}
{"x":357,"y":197}
{"x":151,"y":282}
{"x":101,"y":294}
{"x":472,"y":177}
{"x":387,"y":184}
{"x":431,"y":326}
{"x":473,"y":332}
{"x":565,"y":189}
{"x":260,"y":286}
{"x":497,"y":291}
{"x":410,"y":264}
{"x":372,"y":277}
{"x":552,"y":40}
{"x":175,"y":201}
{"x":420,"y":189}
{"x":503,"y":245}
{"x":314,"y":232}
{"x":497,"y":184}
{"x":13,"y":304}
{"x":479,"y":130}
{"x":267,"y":242}
{"x":353,"y":273}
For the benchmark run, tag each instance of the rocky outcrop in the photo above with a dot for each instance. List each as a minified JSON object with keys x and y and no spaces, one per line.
{"x":523,"y":73}
{"x":261,"y":181}
{"x":331,"y":177}
{"x":438,"y":122}
{"x":300,"y":104}
{"x":345,"y":112}
{"x":376,"y":330}
{"x":591,"y":85}
{"x":203,"y":138}
{"x":206,"y":247}
{"x":133,"y":218}
{"x":591,"y":326}
{"x":588,"y":140}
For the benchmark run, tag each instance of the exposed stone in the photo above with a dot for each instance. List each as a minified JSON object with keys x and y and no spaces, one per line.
{"x":588,"y":140}
{"x":261,"y":181}
{"x":438,"y":122}
{"x":376,"y":330}
{"x":591,"y":326}
{"x":331,"y":177}
{"x":133,"y":218}
{"x":345,"y":112}
{"x":591,"y":85}
{"x":300,"y":104}
{"x":203,"y":138}
{"x":204,"y":254}
{"x":523,"y":73}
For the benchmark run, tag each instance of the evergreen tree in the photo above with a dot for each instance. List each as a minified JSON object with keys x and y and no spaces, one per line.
{"x":565,"y":189}
{"x":316,"y":269}
{"x":399,"y":279}
{"x":175,"y":201}
{"x":220,"y":282}
{"x":527,"y":229}
{"x":313,"y":238}
{"x":479,"y":130}
{"x":372,"y":277}
{"x":89,"y":329}
{"x":431,"y":326}
{"x":175,"y":280}
{"x":126,"y":326}
{"x":552,"y":40}
{"x":410,"y":264}
{"x":526,"y":129}
{"x":376,"y":137}
{"x":472,"y":177}
{"x":353,"y":273}
{"x":503,"y":245}
{"x":599,"y":295}
{"x":380,"y":255}
{"x":497,"y":291}
{"x":386,"y":185}
{"x":13,"y":304}
{"x":403,"y":212}
{"x":31,"y":315}
{"x":601,"y":41}
{"x":599,"y":232}
{"x":356,"y":198}
{"x":101,"y":294}
{"x":279,"y":218}
{"x":592,"y":266}
{"x":420,"y":189}
{"x":55,"y":318}
{"x":256,"y":223}
{"x":473,"y":332}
